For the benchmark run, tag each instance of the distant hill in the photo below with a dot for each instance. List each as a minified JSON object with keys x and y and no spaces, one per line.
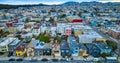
{"x":92,"y":2}
{"x":70,"y":3}
{"x":7,"y":6}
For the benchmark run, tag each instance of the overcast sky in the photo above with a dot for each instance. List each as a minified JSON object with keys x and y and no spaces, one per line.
{"x":47,"y":1}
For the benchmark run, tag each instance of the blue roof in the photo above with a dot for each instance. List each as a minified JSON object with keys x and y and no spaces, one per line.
{"x":103,"y":47}
{"x":109,"y":24}
{"x":15,"y":42}
{"x":64,"y":45}
{"x":72,"y":42}
{"x":40,"y":45}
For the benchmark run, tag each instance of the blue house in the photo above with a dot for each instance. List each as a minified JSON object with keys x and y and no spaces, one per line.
{"x":64,"y":48}
{"x":96,"y":49}
{"x":74,"y":47}
{"x":103,"y":47}
{"x":94,"y":23}
{"x":109,"y":24}
{"x":92,"y":50}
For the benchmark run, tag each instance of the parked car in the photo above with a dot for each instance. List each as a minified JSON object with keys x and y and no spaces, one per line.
{"x":1,"y":53}
{"x":63,"y":59}
{"x":19,"y":59}
{"x":33,"y":60}
{"x":44,"y":59}
{"x":54,"y":60}
{"x":11,"y":59}
{"x":95,"y":59}
{"x":87,"y":60}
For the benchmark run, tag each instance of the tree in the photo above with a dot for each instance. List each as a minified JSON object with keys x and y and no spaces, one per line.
{"x":99,"y":25}
{"x":80,"y":14}
{"x":98,"y":62}
{"x":104,"y":55}
{"x":44,"y":38}
{"x":85,"y":56}
{"x":51,"y":20}
{"x":63,"y":16}
{"x":111,"y":44}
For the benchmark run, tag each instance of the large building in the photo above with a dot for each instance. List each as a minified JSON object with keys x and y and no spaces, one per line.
{"x":89,"y":37}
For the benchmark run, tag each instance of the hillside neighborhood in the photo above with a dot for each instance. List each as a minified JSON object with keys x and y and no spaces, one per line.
{"x":67,"y":32}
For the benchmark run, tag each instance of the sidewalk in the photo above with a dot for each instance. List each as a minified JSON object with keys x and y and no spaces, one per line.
{"x":118,"y":59}
{"x":40,"y":57}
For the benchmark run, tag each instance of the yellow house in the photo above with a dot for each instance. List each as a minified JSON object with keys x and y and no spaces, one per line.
{"x":101,"y":40}
{"x":77,"y":32}
{"x":69,"y":19}
{"x":19,"y":53}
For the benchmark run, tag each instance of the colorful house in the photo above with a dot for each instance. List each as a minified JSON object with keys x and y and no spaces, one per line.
{"x":20,"y":50}
{"x":64,"y":48}
{"x":74,"y":47}
{"x":68,"y":31}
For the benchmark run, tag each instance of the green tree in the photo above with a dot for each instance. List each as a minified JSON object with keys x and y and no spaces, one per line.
{"x":51,"y":20}
{"x":85,"y":56}
{"x":44,"y":38}
{"x":63,"y":16}
{"x":105,"y":55}
{"x":80,"y":14}
{"x":98,"y":62}
{"x":111,"y":44}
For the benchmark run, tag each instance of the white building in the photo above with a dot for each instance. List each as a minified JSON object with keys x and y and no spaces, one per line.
{"x":89,"y":37}
{"x":53,"y":30}
{"x":4,"y":44}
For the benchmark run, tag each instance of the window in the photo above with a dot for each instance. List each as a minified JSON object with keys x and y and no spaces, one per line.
{"x":48,"y":51}
{"x":67,"y":50}
{"x":76,"y":48}
{"x":62,"y":51}
{"x":76,"y":51}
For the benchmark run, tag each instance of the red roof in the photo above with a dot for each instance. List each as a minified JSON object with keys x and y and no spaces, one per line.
{"x":77,"y":20}
{"x":36,"y":27}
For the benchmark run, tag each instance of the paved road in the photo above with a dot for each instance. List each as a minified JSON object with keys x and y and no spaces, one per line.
{"x":43,"y":62}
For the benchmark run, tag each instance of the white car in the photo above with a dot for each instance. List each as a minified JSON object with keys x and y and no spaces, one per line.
{"x":95,"y":59}
{"x":87,"y":59}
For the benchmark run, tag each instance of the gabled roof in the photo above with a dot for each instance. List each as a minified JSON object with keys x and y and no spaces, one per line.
{"x":64,"y":45}
{"x":72,"y":42}
{"x":77,"y":21}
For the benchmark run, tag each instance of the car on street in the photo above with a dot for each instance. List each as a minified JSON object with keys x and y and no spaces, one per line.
{"x":11,"y":59}
{"x":19,"y":59}
{"x":55,"y":60}
{"x":44,"y":59}
{"x":33,"y":60}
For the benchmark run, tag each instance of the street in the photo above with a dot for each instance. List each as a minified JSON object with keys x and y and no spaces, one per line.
{"x":4,"y":61}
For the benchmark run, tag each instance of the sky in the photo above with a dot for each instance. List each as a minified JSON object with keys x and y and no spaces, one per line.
{"x":21,"y":2}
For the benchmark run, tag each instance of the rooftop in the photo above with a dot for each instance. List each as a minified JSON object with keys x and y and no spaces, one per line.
{"x":7,"y":41}
{"x":72,"y":41}
{"x":15,"y":42}
{"x":64,"y":45}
